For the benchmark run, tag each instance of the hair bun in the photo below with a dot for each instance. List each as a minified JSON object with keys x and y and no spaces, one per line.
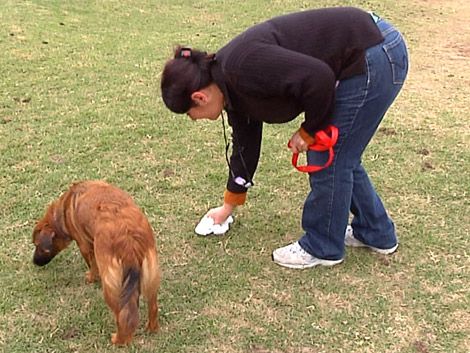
{"x":185,"y":52}
{"x":187,"y":72}
{"x":194,"y":55}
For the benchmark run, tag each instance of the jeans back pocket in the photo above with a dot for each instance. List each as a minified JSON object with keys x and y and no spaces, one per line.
{"x":398,"y":56}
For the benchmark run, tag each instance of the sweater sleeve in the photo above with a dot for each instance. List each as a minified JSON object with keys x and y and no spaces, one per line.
{"x":273,"y":71}
{"x":246,"y":139}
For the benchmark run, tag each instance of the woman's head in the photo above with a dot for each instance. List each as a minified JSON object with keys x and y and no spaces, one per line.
{"x":187,"y":85}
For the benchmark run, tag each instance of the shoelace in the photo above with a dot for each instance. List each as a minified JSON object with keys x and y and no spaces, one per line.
{"x":296,"y":248}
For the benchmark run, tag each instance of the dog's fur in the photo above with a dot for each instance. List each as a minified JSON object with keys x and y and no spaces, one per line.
{"x":117,"y":243}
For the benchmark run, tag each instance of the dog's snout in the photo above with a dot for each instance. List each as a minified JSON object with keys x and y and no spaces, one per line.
{"x":41,"y":259}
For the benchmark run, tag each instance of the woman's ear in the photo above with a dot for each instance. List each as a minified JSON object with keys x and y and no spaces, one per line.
{"x":200,"y":98}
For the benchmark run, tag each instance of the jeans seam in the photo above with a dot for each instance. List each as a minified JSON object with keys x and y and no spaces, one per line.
{"x":387,"y":31}
{"x":330,"y":206}
{"x":393,"y":43}
{"x":387,"y":48}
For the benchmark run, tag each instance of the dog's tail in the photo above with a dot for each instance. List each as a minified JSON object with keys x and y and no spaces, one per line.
{"x":128,"y":317}
{"x":130,"y":285}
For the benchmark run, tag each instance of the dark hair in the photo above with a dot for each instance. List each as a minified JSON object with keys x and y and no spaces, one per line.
{"x":186,"y":73}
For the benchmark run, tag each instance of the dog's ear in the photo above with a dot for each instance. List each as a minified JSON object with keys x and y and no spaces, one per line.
{"x":36,"y":231}
{"x":58,"y":222}
{"x":46,"y":242}
{"x":40,"y":225}
{"x":46,"y":247}
{"x":44,"y":239}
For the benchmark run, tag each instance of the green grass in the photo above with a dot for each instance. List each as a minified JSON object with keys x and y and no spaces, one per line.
{"x":80,"y":100}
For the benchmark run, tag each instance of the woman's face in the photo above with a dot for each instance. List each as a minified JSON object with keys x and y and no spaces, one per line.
{"x":208,"y":103}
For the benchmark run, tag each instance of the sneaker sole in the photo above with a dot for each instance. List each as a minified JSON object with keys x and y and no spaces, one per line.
{"x":352,"y":242}
{"x":326,"y":263}
{"x":357,"y":244}
{"x":384,"y":251}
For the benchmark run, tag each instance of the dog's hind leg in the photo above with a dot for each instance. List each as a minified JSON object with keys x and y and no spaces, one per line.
{"x":150,"y":282}
{"x":113,"y":302}
{"x":121,"y":293}
{"x":128,"y":316}
{"x":127,"y":320}
{"x":152,"y":303}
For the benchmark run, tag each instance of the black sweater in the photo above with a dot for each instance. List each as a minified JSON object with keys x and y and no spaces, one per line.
{"x":285,"y":66}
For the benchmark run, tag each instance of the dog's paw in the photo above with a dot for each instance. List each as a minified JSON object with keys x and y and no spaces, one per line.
{"x":90,"y":277}
{"x":153,"y":326}
{"x":115,"y":339}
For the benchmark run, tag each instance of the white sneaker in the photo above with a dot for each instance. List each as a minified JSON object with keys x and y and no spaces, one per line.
{"x":349,"y":240}
{"x":293,"y":256}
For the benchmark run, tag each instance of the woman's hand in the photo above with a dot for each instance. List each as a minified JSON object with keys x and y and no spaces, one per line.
{"x":220,"y":214}
{"x":297,"y":144}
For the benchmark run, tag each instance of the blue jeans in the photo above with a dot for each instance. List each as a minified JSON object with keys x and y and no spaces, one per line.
{"x":361,"y":103}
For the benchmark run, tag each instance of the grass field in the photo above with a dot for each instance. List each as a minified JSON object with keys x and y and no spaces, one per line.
{"x":79,"y":99}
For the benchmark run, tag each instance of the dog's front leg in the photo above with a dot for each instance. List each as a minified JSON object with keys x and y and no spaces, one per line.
{"x":92,"y":275}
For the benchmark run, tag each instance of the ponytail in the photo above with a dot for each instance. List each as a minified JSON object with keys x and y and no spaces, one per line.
{"x":187,"y":72}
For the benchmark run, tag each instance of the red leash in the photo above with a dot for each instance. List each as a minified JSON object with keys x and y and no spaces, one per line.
{"x":324,"y":141}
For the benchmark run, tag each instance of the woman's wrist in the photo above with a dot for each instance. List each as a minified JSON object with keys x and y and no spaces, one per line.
{"x":306,"y":136}
{"x":228,"y":208}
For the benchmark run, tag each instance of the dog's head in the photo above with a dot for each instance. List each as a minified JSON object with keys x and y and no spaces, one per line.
{"x":49,"y":236}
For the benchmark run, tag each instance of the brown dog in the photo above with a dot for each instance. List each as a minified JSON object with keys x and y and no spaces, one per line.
{"x":117,"y":243}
